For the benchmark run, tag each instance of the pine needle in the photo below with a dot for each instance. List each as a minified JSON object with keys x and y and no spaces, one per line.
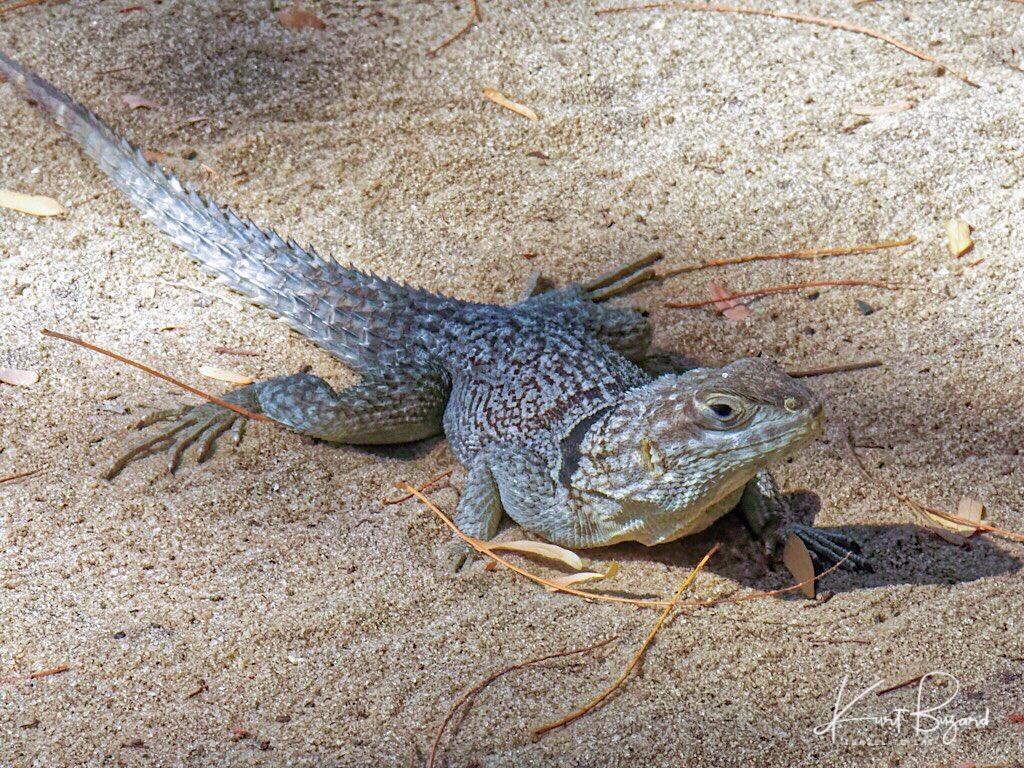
{"x":774,"y":289}
{"x":475,"y":690}
{"x":811,"y":254}
{"x":153,"y":372}
{"x":636,"y":657}
{"x":845,"y":26}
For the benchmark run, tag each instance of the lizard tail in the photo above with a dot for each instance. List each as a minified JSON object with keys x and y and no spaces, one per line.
{"x":365,"y":320}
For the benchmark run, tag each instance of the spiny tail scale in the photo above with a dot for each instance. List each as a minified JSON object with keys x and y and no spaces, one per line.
{"x":367,"y":321}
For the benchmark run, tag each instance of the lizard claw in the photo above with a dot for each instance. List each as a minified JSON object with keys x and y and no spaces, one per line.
{"x":203,"y":424}
{"x":830,"y":548}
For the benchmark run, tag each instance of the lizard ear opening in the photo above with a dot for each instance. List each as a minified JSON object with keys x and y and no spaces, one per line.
{"x":651,"y":457}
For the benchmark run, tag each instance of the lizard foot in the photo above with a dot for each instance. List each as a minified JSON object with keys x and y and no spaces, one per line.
{"x":457,"y":557}
{"x":203,"y":424}
{"x":829,"y":548}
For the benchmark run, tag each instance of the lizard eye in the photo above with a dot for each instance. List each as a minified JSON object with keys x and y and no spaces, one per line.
{"x":722,"y":411}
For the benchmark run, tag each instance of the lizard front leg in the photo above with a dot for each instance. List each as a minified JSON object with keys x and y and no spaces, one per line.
{"x":479,"y":511}
{"x":772,"y":519}
{"x":395,"y":407}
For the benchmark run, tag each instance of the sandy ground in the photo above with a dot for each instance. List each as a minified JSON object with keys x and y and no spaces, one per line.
{"x":274,"y":582}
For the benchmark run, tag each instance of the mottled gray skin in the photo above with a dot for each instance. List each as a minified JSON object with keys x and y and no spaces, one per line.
{"x":545,"y":402}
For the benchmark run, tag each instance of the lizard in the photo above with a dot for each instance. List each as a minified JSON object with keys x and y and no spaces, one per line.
{"x":552,"y":404}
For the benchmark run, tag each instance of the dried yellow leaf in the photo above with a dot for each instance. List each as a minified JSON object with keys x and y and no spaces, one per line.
{"x":574,"y":579}
{"x":34,"y":205}
{"x":18,"y":378}
{"x":958,"y":237}
{"x":798,"y":560}
{"x":540,"y":549}
{"x":968,"y":508}
{"x":503,"y":101}
{"x":223,"y":374}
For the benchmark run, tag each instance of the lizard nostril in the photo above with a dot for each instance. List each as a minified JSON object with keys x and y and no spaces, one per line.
{"x":791,"y":404}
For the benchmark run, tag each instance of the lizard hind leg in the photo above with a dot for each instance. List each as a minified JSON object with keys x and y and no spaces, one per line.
{"x":478,"y":514}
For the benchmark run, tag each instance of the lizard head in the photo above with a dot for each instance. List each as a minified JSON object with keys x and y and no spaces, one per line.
{"x":684,"y":442}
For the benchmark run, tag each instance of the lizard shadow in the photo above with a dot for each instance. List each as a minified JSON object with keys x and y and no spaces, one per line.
{"x":901,"y":554}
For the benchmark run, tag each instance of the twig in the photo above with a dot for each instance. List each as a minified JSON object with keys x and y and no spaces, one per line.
{"x":846,"y":26}
{"x":474,"y":17}
{"x":475,"y":690}
{"x":636,"y":657}
{"x":49,"y":672}
{"x":424,"y":488}
{"x":805,"y":373}
{"x":19,"y":5}
{"x":773,"y":289}
{"x":896,"y":687}
{"x":233,"y":351}
{"x":21,"y":475}
{"x":153,"y":372}
{"x":813,"y":254}
{"x":922,"y":510}
{"x":483,"y":549}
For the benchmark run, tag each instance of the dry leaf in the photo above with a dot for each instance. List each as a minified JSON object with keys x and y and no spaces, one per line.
{"x":574,"y":579}
{"x":798,"y":560}
{"x":502,"y":101}
{"x":152,"y":156}
{"x":295,"y":17}
{"x":18,"y":378}
{"x":968,"y":508}
{"x":958,"y":237}
{"x":35,"y":205}
{"x":134,"y":101}
{"x":875,"y":110}
{"x":732,"y":309}
{"x":541,"y":549}
{"x":223,"y":374}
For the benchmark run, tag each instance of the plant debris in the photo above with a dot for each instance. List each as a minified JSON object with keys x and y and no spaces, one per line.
{"x":958,"y":237}
{"x":18,"y":378}
{"x":503,"y":101}
{"x":21,"y":475}
{"x":925,"y":514}
{"x":224,"y":374}
{"x":34,"y":205}
{"x":297,"y":17}
{"x":731,"y":308}
{"x":540,"y":549}
{"x":236,"y":351}
{"x":584,"y":577}
{"x":773,"y":289}
{"x":163,"y":376}
{"x":636,"y":658}
{"x":798,"y":561}
{"x":845,"y":26}
{"x":473,"y":692}
{"x":474,"y":17}
{"x":433,"y":483}
{"x":20,"y":4}
{"x":877,"y":110}
{"x":804,"y":373}
{"x":134,"y":101}
{"x":812,"y":254}
{"x":59,"y":669}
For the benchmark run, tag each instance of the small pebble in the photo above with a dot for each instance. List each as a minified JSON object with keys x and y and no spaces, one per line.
{"x":865,"y":308}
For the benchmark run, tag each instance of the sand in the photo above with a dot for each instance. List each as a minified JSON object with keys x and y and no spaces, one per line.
{"x":272,"y":583}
